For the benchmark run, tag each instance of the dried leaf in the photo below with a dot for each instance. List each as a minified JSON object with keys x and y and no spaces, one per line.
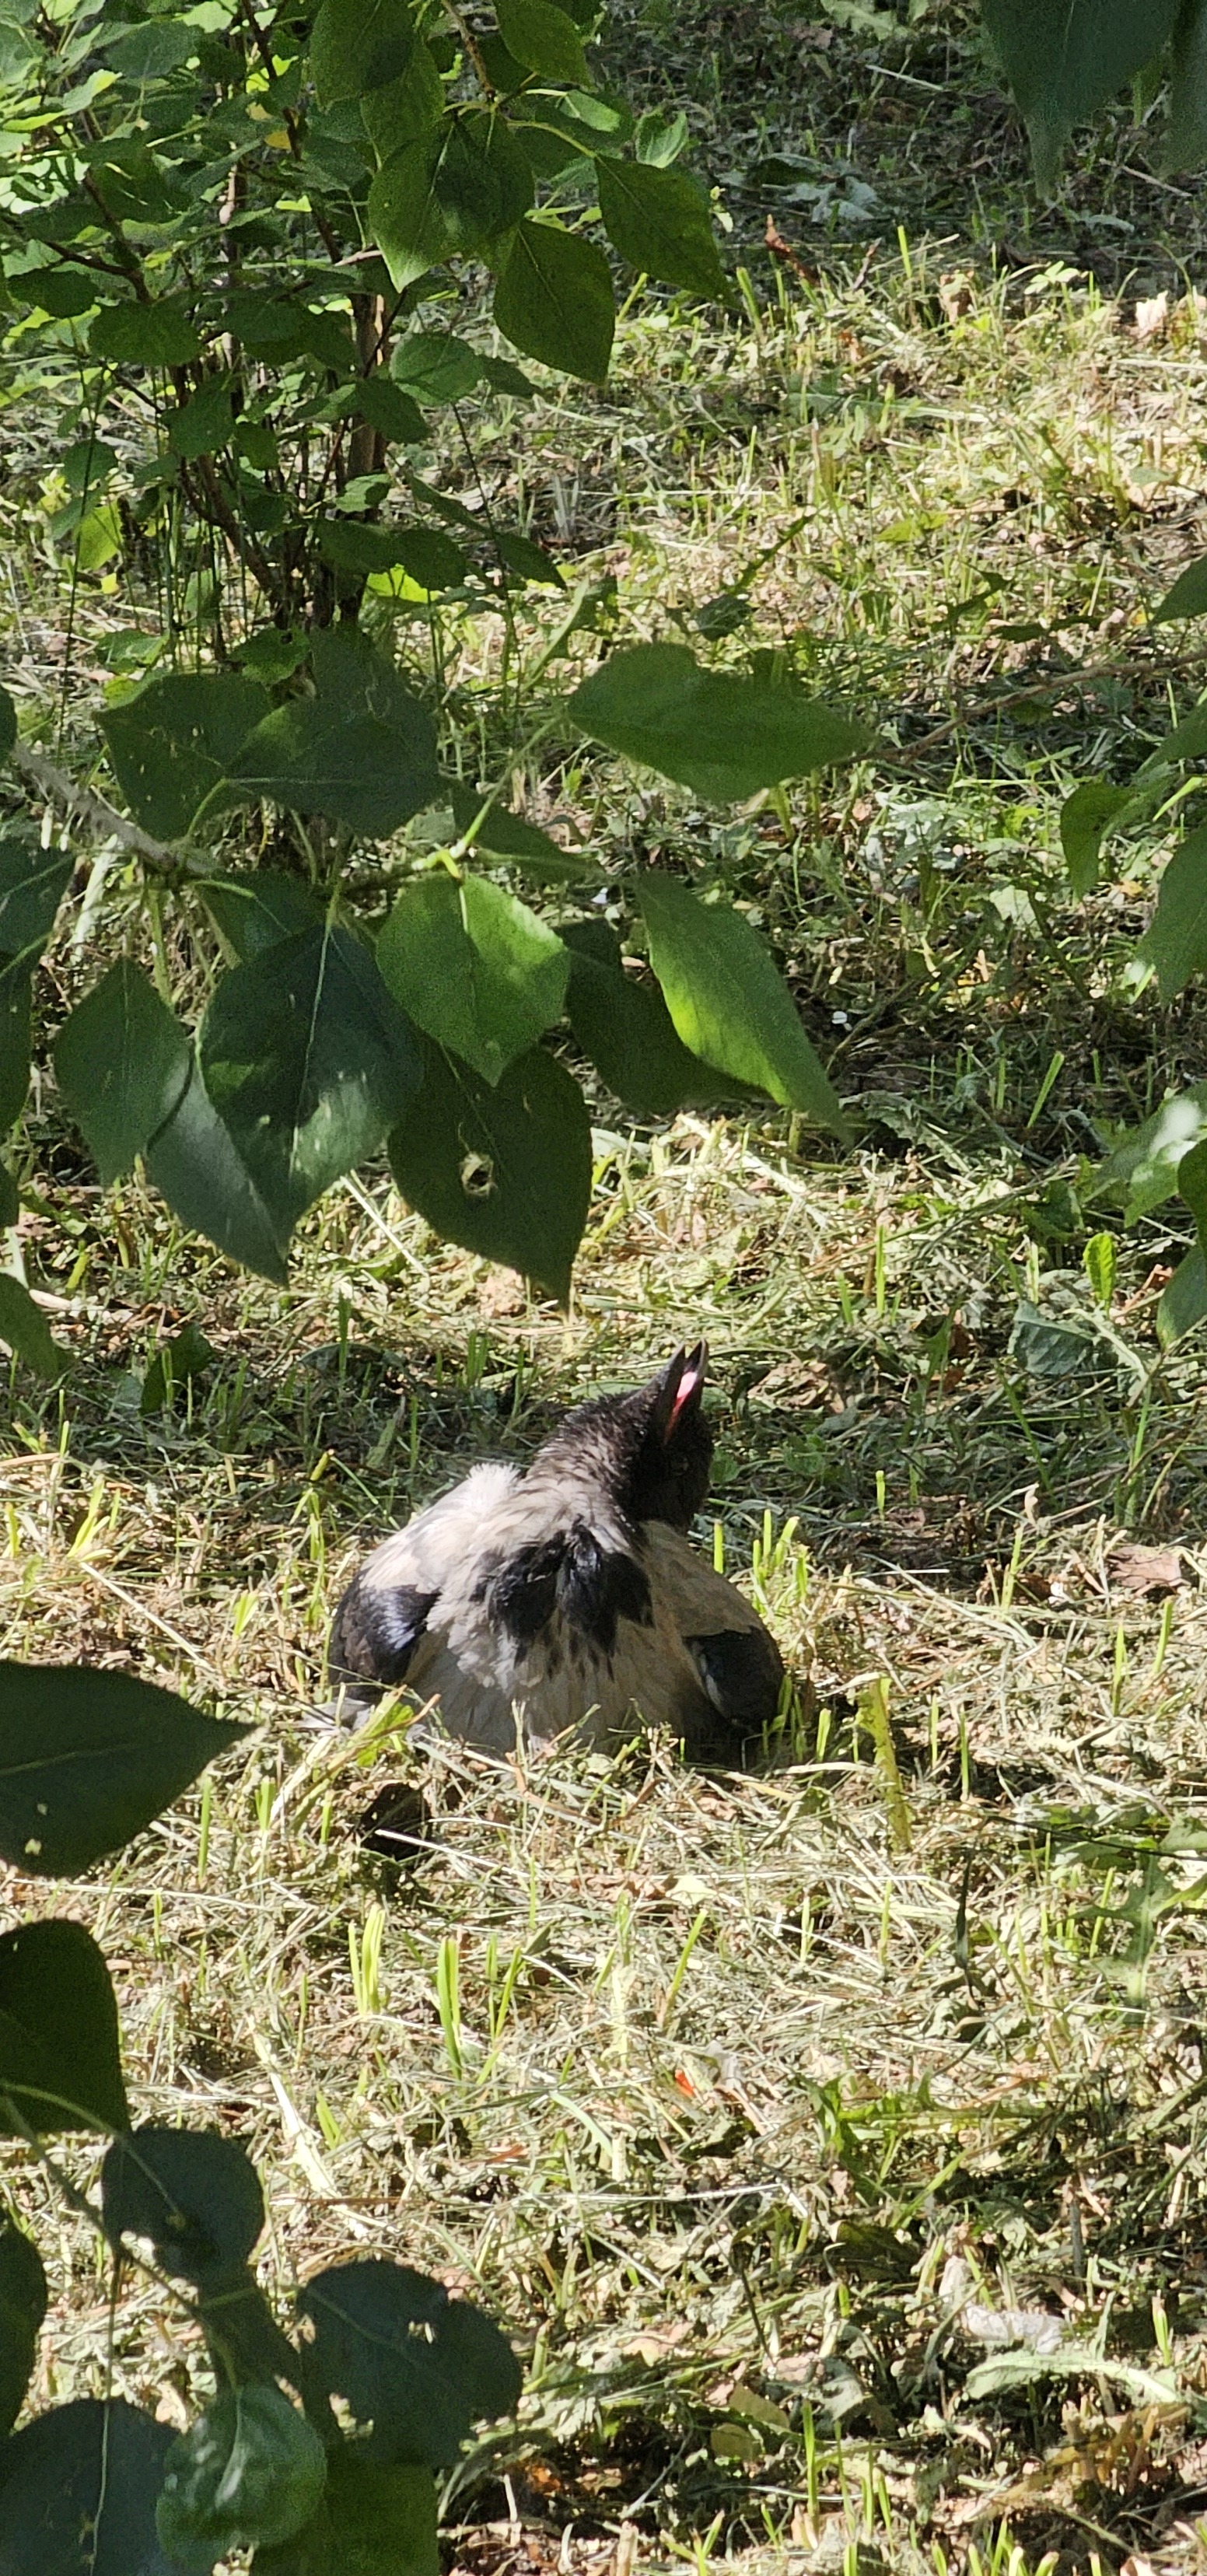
{"x":1144,"y":1570}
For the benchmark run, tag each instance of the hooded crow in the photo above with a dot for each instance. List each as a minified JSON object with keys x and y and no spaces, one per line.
{"x":569,"y":1597}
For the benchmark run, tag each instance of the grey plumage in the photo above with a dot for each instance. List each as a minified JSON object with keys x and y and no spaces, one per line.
{"x":570,"y":1596}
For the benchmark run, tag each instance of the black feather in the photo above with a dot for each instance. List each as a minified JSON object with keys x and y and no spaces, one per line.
{"x":742,"y":1672}
{"x":599,"y":1586}
{"x":375,"y":1632}
{"x":520,"y":1591}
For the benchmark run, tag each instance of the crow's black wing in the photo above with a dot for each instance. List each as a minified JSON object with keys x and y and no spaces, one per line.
{"x":375,"y":1632}
{"x":742,"y":1671}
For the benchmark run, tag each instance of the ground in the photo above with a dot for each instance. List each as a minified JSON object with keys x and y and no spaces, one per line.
{"x":766,"y":2112}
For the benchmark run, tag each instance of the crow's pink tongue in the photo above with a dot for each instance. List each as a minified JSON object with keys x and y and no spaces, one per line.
{"x":689,"y":1385}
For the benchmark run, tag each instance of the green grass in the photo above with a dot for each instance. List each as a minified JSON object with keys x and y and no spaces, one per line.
{"x":748,"y":2099}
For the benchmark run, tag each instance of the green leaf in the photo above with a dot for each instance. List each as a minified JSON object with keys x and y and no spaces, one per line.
{"x":1064,"y":63}
{"x":1187,"y":741}
{"x":1143,"y":1168}
{"x":25,"y":1331}
{"x":88,"y":1758}
{"x":256,"y":908}
{"x":662,"y":134}
{"x":1085,"y":818}
{"x":78,"y":2489}
{"x":123,"y":1063}
{"x":309,"y":1062}
{"x":193,"y":2194}
{"x":22,"y":2309}
{"x":178,"y":1362}
{"x":33,"y":882}
{"x":1183,"y":1301}
{"x":529,"y":562}
{"x":448,"y":194}
{"x":627,"y":1031}
{"x":436,"y":366}
{"x":98,"y":537}
{"x":1098,"y":1263}
{"x":385,"y":406}
{"x":727,"y":1001}
{"x":404,"y":109}
{"x":1175,"y":942}
{"x":206,"y":424}
{"x":659,"y":221}
{"x":544,"y":40}
{"x":8,"y":724}
{"x":554,"y":300}
{"x":418,"y":2368}
{"x":510,"y":836}
{"x":10,"y":1197}
{"x":60,"y":2066}
{"x":428,"y":558}
{"x":475,"y":968}
{"x":249,"y":2472}
{"x":150,"y":52}
{"x":363,"y":750}
{"x":1184,"y":144}
{"x":172,"y":743}
{"x":372,"y":2521}
{"x":193,"y":1161}
{"x":359,"y":45}
{"x":505,"y":1171}
{"x":133,"y":185}
{"x":717,"y":731}
{"x":1188,"y":597}
{"x":144,"y":335}
{"x":14,"y":1038}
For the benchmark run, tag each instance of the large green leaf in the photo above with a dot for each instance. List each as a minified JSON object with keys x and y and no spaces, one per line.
{"x":359,"y":45}
{"x":627,"y":1031}
{"x":415,"y":2368}
{"x":1175,"y":942}
{"x":309,"y":1061}
{"x":1185,"y":140}
{"x":1188,"y":596}
{"x":424,"y":553}
{"x":192,"y":2193}
{"x":206,"y":423}
{"x":150,"y":52}
{"x":727,"y":1001}
{"x":554,"y":300}
{"x":504,"y":1171}
{"x":250,"y":2471}
{"x":60,"y":2066}
{"x":255,"y":908}
{"x":717,"y":731}
{"x":145,"y":335}
{"x":1064,"y":62}
{"x":1183,"y":1301}
{"x":475,"y":968}
{"x":10,"y":1198}
{"x":88,"y":1758}
{"x":123,"y":1063}
{"x":1085,"y":818}
{"x":133,"y":184}
{"x":15,"y":987}
{"x":362,"y":750}
{"x":1142,"y":1170}
{"x":437,"y":367}
{"x":78,"y":2489}
{"x":405,"y":108}
{"x":22,"y":2309}
{"x":172,"y":743}
{"x":372,"y":2521}
{"x":386,"y":407}
{"x":33,"y":882}
{"x":24,"y":1330}
{"x":543,"y":39}
{"x":194,"y":1161}
{"x":659,"y":221}
{"x":449,"y":192}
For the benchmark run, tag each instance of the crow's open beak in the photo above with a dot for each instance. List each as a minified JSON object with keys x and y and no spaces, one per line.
{"x":682,"y":1384}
